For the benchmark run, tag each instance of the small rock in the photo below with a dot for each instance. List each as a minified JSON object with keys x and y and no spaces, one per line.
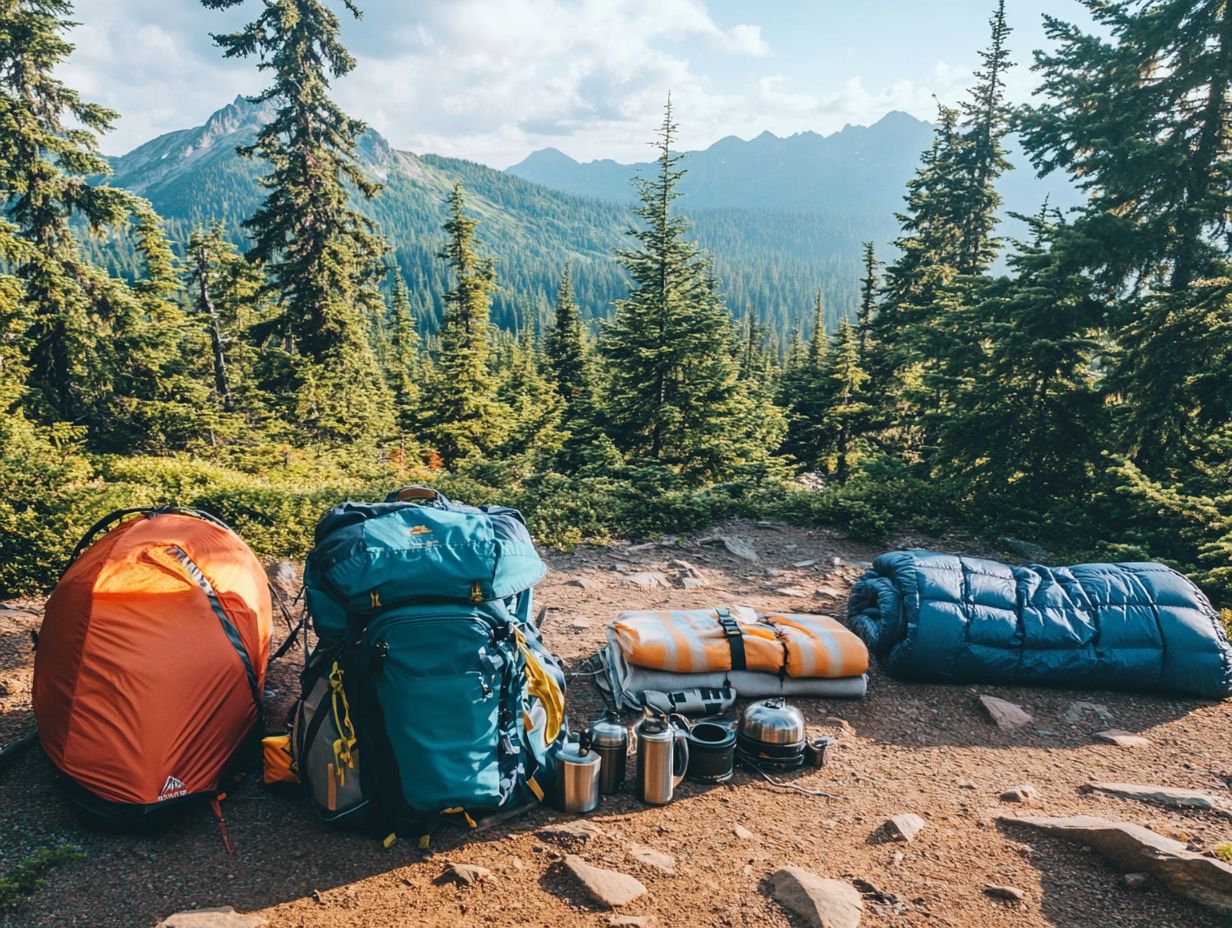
{"x":800,"y":565}
{"x":685,"y":568}
{"x":1205,"y":880}
{"x":572,"y":831}
{"x":821,"y":903}
{"x":219,"y":917}
{"x":1008,"y":893}
{"x":631,"y":921}
{"x":644,"y":546}
{"x":737,"y":546}
{"x":828,"y":592}
{"x":1023,"y":792}
{"x":1124,"y":739}
{"x":1135,"y":880}
{"x":903,"y":827}
{"x":646,"y":579}
{"x":743,"y":833}
{"x":1169,"y":796}
{"x":584,"y":583}
{"x":793,"y":591}
{"x":897,"y":858}
{"x":607,"y":887}
{"x":838,"y":722}
{"x":464,"y":874}
{"x":1027,"y":549}
{"x":1077,"y":711}
{"x":283,"y":576}
{"x":1007,"y":715}
{"x":965,"y":784}
{"x":664,"y":863}
{"x":691,"y":583}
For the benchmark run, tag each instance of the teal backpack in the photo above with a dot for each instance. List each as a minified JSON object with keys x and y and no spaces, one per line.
{"x":429,"y":668}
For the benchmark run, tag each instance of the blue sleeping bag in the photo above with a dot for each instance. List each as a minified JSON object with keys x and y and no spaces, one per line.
{"x":949,"y":619}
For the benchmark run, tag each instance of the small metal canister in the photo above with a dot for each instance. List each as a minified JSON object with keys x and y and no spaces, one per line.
{"x":577,"y":778}
{"x":610,"y":740}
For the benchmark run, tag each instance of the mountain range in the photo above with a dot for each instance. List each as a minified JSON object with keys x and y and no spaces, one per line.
{"x":783,"y":217}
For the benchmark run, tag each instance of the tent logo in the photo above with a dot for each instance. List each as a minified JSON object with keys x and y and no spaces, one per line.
{"x":171,"y":789}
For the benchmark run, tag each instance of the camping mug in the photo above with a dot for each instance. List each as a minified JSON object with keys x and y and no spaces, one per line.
{"x":577,"y":778}
{"x":662,"y":758}
{"x":610,"y":740}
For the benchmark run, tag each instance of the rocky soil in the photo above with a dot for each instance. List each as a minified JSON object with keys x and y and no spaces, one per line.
{"x":743,"y":854}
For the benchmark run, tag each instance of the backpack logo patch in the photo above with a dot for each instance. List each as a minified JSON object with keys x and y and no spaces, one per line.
{"x":172,"y":789}
{"x":420,"y":530}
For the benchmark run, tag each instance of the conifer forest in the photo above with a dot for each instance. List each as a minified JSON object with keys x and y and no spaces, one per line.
{"x":1069,"y":384}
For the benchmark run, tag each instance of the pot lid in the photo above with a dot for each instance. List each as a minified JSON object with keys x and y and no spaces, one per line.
{"x":772,"y":721}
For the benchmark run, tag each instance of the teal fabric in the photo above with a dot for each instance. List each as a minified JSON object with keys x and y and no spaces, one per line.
{"x":1139,"y":626}
{"x":422,"y":604}
{"x":370,"y":557}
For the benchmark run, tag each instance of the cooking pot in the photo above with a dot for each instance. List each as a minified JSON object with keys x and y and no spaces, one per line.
{"x":771,"y":733}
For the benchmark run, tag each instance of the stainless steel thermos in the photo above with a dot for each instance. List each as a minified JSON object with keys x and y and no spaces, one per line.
{"x":577,"y":778}
{"x":662,"y":758}
{"x":610,"y":740}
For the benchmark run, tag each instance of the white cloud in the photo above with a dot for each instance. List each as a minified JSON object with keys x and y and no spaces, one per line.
{"x":491,"y":80}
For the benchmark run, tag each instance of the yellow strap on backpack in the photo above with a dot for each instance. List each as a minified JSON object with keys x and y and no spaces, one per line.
{"x":542,"y":685}
{"x":345,"y":743}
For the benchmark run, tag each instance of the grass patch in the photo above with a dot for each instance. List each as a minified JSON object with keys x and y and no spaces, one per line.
{"x":31,"y":874}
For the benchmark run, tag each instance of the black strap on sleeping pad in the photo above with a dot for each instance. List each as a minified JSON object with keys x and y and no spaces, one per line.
{"x":735,"y":638}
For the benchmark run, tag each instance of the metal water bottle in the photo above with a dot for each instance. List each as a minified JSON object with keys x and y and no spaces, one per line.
{"x":610,"y":740}
{"x":662,"y":758}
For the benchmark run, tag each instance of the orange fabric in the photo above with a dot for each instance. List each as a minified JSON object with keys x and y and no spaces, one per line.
{"x":693,"y":641}
{"x":137,"y":687}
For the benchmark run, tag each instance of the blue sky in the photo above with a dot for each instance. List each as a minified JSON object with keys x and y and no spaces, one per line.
{"x":493,"y":80}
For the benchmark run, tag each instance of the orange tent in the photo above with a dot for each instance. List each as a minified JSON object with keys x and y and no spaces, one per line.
{"x":151,"y":662}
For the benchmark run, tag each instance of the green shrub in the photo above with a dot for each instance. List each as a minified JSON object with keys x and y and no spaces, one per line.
{"x":30,"y":874}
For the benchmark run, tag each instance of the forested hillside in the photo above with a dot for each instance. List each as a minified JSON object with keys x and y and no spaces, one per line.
{"x":263,"y":331}
{"x":770,"y":262}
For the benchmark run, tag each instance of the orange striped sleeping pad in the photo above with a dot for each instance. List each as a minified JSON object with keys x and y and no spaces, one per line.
{"x":694,"y":641}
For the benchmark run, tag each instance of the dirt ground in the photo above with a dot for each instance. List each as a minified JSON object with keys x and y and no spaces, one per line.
{"x":905,"y":748}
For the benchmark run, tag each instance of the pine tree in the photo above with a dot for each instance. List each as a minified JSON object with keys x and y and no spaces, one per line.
{"x":72,"y":316}
{"x":868,"y":301}
{"x":323,"y":258}
{"x":981,"y":155}
{"x":206,"y":252}
{"x":806,"y":392}
{"x":465,"y":420}
{"x":1028,"y":421}
{"x":675,"y":396}
{"x":566,"y":345}
{"x":846,"y":417}
{"x":404,"y":366}
{"x":535,"y":407}
{"x":1141,"y":116}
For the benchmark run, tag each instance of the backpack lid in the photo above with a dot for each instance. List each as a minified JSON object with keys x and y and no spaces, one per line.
{"x":369,"y":556}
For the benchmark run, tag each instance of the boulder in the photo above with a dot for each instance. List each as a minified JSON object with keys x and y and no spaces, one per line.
{"x":1168,"y":796}
{"x":821,"y":903}
{"x":606,"y":887}
{"x":219,"y":917}
{"x":1007,"y":715}
{"x":1205,"y":880}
